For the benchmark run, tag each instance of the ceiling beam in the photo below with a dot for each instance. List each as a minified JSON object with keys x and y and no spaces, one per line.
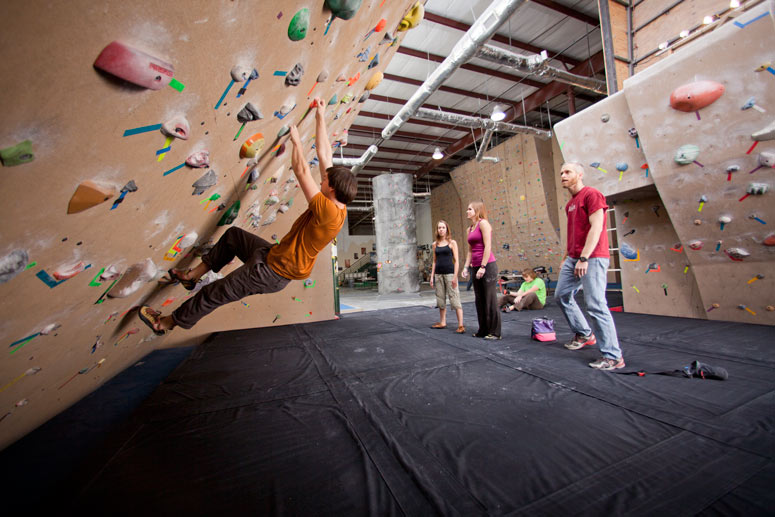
{"x":567,"y":11}
{"x":532,"y":102}
{"x":454,"y":24}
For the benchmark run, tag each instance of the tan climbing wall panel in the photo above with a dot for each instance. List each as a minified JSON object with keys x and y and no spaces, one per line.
{"x":76,"y":117}
{"x":667,"y":27}
{"x":722,"y":131}
{"x":643,"y":224}
{"x":517,"y":203}
{"x":587,"y":139}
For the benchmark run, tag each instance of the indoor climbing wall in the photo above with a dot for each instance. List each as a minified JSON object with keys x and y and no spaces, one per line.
{"x":396,"y":234}
{"x":704,"y":123}
{"x":521,"y":207}
{"x":157,"y":129}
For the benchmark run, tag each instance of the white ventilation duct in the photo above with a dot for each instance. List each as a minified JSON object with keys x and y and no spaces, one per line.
{"x":480,"y":123}
{"x":481,"y":31}
{"x":539,"y":65}
{"x":357,"y":164}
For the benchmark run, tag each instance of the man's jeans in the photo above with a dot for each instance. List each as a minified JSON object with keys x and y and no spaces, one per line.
{"x":594,"y":283}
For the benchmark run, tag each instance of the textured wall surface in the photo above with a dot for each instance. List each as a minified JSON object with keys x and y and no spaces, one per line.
{"x":76,"y":117}
{"x":396,"y":231}
{"x":720,"y":232}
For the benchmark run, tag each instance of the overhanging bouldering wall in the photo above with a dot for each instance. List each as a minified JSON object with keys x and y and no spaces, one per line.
{"x":110,"y":182}
{"x":521,"y":200}
{"x":704,"y":123}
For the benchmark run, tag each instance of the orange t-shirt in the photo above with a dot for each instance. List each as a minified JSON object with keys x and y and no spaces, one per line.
{"x":295,"y":255}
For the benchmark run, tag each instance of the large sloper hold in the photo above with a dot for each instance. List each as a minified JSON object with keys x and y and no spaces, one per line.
{"x":240,"y":73}
{"x":412,"y":18}
{"x":208,"y":179}
{"x":249,"y":113}
{"x":17,"y":154}
{"x":87,"y":195}
{"x":297,"y":29}
{"x":177,"y":127}
{"x":133,"y":279}
{"x":69,"y":270}
{"x":765,"y":134}
{"x":694,"y":96}
{"x":134,"y":66}
{"x":13,"y":264}
{"x":344,"y":9}
{"x":252,"y":146}
{"x":375,"y":80}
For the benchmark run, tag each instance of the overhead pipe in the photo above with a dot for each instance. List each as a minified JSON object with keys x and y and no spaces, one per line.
{"x":480,"y":123}
{"x":357,"y":164}
{"x":481,"y":31}
{"x":485,"y":142}
{"x":539,"y":65}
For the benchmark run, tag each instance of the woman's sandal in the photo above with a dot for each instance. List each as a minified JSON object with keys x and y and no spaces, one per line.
{"x":461,"y":330}
{"x":150,"y":317}
{"x":175,"y":277}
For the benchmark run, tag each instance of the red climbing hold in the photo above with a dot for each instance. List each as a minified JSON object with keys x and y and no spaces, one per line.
{"x":694,"y":96}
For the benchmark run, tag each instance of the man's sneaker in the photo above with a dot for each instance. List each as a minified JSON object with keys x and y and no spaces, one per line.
{"x":580,"y":342}
{"x":606,"y":364}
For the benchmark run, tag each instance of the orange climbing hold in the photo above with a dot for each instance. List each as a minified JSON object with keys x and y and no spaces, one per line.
{"x":252,"y":146}
{"x":87,"y":195}
{"x":694,"y":96}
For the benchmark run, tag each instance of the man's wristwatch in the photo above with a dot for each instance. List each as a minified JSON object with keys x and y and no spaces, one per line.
{"x":582,"y":259}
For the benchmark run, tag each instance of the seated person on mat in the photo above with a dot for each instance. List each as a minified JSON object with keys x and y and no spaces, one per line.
{"x":267,"y":267}
{"x":531,"y":294}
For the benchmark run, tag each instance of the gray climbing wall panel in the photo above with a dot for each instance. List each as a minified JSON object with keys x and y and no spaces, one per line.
{"x":396,"y":233}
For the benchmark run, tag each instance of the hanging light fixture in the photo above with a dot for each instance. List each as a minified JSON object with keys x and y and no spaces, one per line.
{"x":734,"y":4}
{"x":497,"y":113}
{"x":437,"y":154}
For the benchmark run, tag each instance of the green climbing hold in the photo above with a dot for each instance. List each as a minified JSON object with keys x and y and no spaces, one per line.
{"x":344,"y":9}
{"x":297,"y":29}
{"x":17,"y":154}
{"x":230,"y":215}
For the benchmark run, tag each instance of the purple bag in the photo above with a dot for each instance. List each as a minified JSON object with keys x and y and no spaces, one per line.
{"x":543,"y":330}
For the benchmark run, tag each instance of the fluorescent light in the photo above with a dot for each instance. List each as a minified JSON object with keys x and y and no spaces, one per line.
{"x":684,"y":33}
{"x":663,"y":45}
{"x":734,"y":4}
{"x":437,"y":154}
{"x":707,"y":20}
{"x":497,"y":113}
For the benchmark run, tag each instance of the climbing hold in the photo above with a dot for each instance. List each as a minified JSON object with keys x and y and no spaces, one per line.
{"x":364,"y":55}
{"x":605,"y":117}
{"x":17,"y":154}
{"x":249,"y":113}
{"x":241,"y":73}
{"x":322,"y":77}
{"x":270,"y":219}
{"x":768,"y":241}
{"x":387,"y":38}
{"x":375,"y":80}
{"x":133,"y":279}
{"x":208,"y":179}
{"x":737,"y":254}
{"x":653,"y":267}
{"x":767,"y":159}
{"x":754,"y":279}
{"x":347,"y":97}
{"x":341,"y":78}
{"x":686,"y":154}
{"x":353,"y":79}
{"x":374,"y":62}
{"x":284,"y":110}
{"x":757,"y":189}
{"x":628,"y":251}
{"x":87,"y":195}
{"x":13,"y":264}
{"x":283,"y":131}
{"x":297,"y":29}
{"x":621,"y":166}
{"x":595,"y":164}
{"x":294,"y":76}
{"x":230,"y":215}
{"x":751,"y":103}
{"x":344,"y":9}
{"x":364,"y":97}
{"x":633,"y":132}
{"x":695,"y":244}
{"x":177,"y":126}
{"x":199,"y":159}
{"x":69,"y":270}
{"x":272,"y":200}
{"x":413,"y":18}
{"x":377,"y":28}
{"x":694,"y":96}
{"x":283,"y":208}
{"x":134,"y":66}
{"x":765,"y":134}
{"x":770,"y":308}
{"x":724,"y":220}
{"x":252,"y":146}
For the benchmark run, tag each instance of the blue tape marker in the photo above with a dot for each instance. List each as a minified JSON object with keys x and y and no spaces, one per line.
{"x":218,"y":104}
{"x":28,"y":338}
{"x":119,"y":200}
{"x":742,"y":25}
{"x":280,"y":73}
{"x":253,"y":75}
{"x":162,"y":151}
{"x":144,"y":129}
{"x":47,"y":279}
{"x":771,"y":70}
{"x":174,"y":169}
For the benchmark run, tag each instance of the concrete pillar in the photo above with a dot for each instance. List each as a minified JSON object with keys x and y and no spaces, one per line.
{"x":396,"y":233}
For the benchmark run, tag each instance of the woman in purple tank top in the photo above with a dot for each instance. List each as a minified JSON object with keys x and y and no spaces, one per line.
{"x":481,"y":265}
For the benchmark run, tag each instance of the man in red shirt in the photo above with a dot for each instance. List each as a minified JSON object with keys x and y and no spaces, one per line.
{"x":586,"y":266}
{"x":267,"y":267}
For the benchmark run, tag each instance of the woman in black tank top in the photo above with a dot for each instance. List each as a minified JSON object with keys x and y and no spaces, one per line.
{"x":444,"y":277}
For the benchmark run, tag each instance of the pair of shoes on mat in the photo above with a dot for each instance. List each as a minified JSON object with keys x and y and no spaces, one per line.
{"x":460,"y":330}
{"x":176,"y":275}
{"x":606,"y":364}
{"x":492,"y":337}
{"x":580,"y":342}
{"x":438,"y":326}
{"x":151,"y":318}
